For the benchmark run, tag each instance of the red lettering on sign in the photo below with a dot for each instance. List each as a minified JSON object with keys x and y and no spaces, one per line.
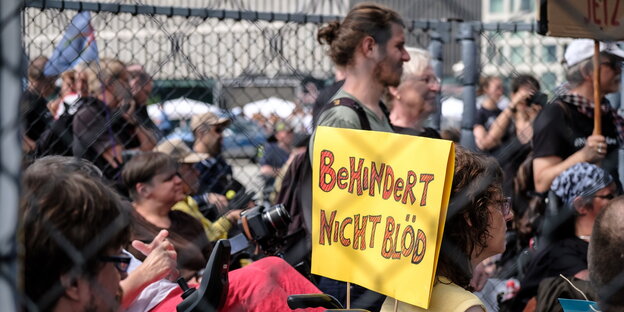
{"x":425,"y":178}
{"x":326,"y":227}
{"x":327,"y":160}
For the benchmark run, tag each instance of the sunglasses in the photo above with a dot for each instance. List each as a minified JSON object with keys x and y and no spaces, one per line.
{"x":607,"y":197}
{"x":121,"y":262}
{"x":614,"y":65}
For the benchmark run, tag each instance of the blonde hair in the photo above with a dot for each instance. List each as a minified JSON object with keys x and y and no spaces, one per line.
{"x":102,"y":74}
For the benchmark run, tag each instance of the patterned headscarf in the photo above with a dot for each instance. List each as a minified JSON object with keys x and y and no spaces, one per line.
{"x":582,"y":179}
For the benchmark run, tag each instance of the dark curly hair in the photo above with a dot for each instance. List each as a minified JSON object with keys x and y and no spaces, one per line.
{"x":365,"y":19}
{"x":476,"y":184}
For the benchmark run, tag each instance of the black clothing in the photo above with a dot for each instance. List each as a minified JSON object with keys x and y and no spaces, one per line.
{"x":35,"y":114}
{"x":426,"y":132}
{"x":94,"y":133}
{"x":561,"y":130}
{"x":323,"y":98}
{"x":567,"y":256}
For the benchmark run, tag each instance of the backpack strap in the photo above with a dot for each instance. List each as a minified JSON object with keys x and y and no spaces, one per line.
{"x":359,"y":110}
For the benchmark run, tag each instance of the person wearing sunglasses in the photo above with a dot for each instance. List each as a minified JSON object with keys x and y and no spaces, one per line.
{"x":474,"y":230}
{"x":214,"y":172}
{"x":74,"y":227}
{"x":160,"y":255}
{"x":580,"y":193}
{"x":563,"y":133}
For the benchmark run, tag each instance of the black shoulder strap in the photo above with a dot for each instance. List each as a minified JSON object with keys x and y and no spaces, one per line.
{"x":349,"y":102}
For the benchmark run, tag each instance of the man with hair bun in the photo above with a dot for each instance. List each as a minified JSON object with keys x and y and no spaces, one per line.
{"x":369,"y":44}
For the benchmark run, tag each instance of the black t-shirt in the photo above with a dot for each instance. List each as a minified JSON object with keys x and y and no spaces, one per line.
{"x":486,"y":117}
{"x":561,"y":130}
{"x":567,"y":256}
{"x":94,"y":133}
{"x":426,"y":132}
{"x":35,"y":114}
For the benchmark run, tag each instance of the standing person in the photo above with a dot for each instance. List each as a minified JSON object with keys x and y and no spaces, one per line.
{"x":95,"y":136}
{"x":141,"y":86}
{"x":414,"y":99}
{"x":474,"y":231}
{"x":562,"y":132}
{"x":34,"y":103}
{"x":506,"y":134}
{"x":370,"y":45}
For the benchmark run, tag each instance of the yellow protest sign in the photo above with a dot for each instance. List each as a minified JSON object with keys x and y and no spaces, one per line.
{"x":595,"y":19}
{"x":379,"y":205}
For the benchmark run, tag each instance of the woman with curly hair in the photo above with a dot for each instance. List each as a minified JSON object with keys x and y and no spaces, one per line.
{"x":474,"y":230}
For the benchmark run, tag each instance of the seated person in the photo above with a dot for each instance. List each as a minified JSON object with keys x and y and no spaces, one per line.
{"x":160,"y":255}
{"x":584,"y":189}
{"x":276,"y":154}
{"x":605,"y":260}
{"x":154,"y":185}
{"x":76,"y":227}
{"x":187,"y":160}
{"x":474,"y":231}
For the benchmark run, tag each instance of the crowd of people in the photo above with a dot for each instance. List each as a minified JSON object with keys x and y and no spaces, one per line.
{"x":117,"y":212}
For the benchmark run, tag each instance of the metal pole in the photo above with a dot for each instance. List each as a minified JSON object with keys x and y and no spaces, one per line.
{"x":10,"y":149}
{"x":470,"y":78}
{"x":435,"y":48}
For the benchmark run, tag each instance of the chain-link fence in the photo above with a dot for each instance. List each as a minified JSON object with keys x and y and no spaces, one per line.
{"x":261,"y":70}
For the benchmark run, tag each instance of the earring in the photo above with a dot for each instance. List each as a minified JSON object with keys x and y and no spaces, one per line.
{"x":398,"y":97}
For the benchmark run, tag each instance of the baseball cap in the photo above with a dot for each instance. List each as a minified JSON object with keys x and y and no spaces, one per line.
{"x":208,"y":118}
{"x":177,"y":149}
{"x":582,"y":49}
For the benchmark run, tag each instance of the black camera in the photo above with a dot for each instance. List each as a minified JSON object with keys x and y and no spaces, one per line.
{"x":538,"y":98}
{"x":266,"y":226}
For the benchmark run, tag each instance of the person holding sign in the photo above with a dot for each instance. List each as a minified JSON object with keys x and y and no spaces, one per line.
{"x":474,"y":230}
{"x":370,"y":45}
{"x":564,"y":132}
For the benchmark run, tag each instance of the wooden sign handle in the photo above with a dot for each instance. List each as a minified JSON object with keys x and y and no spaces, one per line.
{"x":348,"y":295}
{"x":597,"y":112}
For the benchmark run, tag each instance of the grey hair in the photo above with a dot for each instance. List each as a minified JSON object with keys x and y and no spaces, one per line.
{"x":419,"y":60}
{"x":576,"y":73}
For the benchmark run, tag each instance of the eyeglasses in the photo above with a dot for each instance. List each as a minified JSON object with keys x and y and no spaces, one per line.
{"x":121,"y":262}
{"x":219,"y":129}
{"x":430,"y":80}
{"x":504,"y":205}
{"x":612,"y":64}
{"x":607,"y":197}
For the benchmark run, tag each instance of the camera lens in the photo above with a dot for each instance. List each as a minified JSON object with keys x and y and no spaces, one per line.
{"x":278,"y":217}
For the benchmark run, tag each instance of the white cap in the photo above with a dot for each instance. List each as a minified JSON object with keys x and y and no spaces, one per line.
{"x":582,"y":49}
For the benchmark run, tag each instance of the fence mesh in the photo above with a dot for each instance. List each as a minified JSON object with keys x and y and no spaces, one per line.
{"x":262,"y":70}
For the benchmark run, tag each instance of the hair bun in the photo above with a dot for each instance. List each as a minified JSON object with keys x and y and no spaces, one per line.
{"x":328,"y":33}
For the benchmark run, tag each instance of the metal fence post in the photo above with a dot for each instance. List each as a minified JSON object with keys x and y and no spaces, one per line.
{"x":469,"y":58}
{"x":435,"y":48}
{"x":10,"y":149}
